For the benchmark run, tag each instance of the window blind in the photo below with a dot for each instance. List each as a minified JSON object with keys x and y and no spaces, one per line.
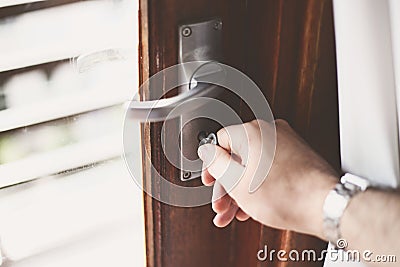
{"x":67,"y":67}
{"x":58,"y":75}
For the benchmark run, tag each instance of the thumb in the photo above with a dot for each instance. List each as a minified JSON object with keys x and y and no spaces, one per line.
{"x":221,"y":166}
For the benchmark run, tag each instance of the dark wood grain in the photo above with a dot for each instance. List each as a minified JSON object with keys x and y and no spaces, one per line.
{"x":287,"y":48}
{"x":180,"y":236}
{"x":293,"y":61}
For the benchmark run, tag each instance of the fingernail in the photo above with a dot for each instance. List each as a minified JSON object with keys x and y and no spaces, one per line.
{"x":206,"y":153}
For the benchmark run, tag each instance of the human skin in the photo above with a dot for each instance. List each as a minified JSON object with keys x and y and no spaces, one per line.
{"x":294,"y":187}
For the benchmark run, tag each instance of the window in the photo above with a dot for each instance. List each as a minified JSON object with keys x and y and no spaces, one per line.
{"x":66,"y":197}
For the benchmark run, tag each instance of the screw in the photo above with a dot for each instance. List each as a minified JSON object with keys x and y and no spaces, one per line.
{"x":187,"y":175}
{"x":187,"y":31}
{"x":218,"y":25}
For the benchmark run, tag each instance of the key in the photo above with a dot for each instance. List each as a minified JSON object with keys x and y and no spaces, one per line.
{"x":210,"y":139}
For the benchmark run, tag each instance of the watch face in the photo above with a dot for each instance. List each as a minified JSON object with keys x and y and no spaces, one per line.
{"x":334,"y":205}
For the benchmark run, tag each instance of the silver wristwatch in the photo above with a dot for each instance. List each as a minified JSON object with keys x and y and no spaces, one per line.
{"x":336,"y":203}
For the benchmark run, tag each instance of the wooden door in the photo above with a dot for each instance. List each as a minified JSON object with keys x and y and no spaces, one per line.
{"x":287,"y":48}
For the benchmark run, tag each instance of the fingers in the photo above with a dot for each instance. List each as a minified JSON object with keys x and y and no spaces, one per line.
{"x":225,"y":207}
{"x":242,"y":216}
{"x":206,"y":178}
{"x":223,"y":219}
{"x":221,"y":166}
{"x":221,"y":201}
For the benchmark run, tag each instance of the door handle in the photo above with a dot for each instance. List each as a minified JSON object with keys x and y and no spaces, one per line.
{"x":168,"y":108}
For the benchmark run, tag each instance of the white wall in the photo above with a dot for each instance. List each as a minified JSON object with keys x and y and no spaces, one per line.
{"x":367,"y":89}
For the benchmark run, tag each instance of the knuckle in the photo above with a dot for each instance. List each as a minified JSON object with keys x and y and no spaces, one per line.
{"x":253,"y":136}
{"x":218,"y":206}
{"x":252,"y":130}
{"x":250,"y":126}
{"x":281,"y":122}
{"x":222,"y":134}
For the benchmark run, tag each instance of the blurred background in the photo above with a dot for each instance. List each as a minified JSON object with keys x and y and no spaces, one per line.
{"x":66,"y":198}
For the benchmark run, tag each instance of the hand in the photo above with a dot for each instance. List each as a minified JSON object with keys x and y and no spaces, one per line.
{"x":293,"y":187}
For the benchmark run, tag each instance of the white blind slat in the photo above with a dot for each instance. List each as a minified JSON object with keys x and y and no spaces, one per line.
{"x":60,"y":160}
{"x":65,"y":32}
{"x":75,"y":213}
{"x":33,"y":100}
{"x":64,"y":106}
{"x":6,"y":3}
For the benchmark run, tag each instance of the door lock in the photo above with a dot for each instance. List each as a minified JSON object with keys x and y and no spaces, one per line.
{"x":201,"y":41}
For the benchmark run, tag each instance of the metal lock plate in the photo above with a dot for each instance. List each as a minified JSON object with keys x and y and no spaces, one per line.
{"x":202,"y":42}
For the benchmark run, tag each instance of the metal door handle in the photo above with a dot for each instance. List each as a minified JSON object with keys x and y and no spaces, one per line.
{"x":159,"y":110}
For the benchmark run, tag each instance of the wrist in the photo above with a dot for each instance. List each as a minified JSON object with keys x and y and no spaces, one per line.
{"x":337,"y":202}
{"x":315,"y":195}
{"x":329,"y":182}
